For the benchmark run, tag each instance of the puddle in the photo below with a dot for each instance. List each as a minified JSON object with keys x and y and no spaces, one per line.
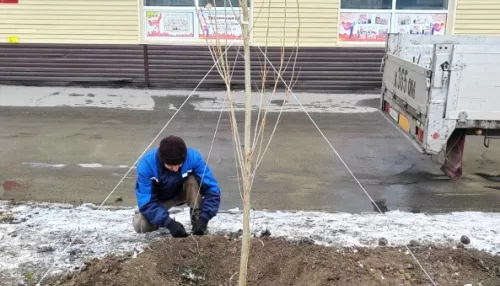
{"x":405,"y":179}
{"x":493,"y":178}
{"x":373,"y":103}
{"x":415,"y":210}
{"x":173,"y":102}
{"x":381,"y":205}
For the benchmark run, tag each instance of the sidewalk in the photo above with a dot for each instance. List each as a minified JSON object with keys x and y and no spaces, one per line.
{"x":138,"y":99}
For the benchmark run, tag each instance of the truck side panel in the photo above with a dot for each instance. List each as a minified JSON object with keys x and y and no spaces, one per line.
{"x":409,"y":82}
{"x":420,"y":47}
{"x":475,"y":83}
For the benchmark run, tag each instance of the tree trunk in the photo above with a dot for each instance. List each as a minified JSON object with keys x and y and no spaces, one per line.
{"x":245,"y":246}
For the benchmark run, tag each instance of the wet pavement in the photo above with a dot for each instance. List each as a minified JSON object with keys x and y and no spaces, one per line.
{"x":74,"y":154}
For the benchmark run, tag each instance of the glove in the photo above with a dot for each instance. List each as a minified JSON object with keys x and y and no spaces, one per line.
{"x":200,"y":226}
{"x":177,"y":229}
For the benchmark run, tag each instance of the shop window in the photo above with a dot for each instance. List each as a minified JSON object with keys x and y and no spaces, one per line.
{"x":421,"y":4}
{"x":370,"y":21}
{"x":364,"y":27}
{"x":191,"y":20}
{"x":366,"y":4}
{"x":421,"y":23}
{"x":170,"y":3}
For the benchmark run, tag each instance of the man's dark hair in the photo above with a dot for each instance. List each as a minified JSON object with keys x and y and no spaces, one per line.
{"x":172,"y":151}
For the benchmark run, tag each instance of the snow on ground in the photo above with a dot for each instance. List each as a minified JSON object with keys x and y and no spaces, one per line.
{"x":140,"y":99}
{"x":37,"y":233}
{"x":38,"y":165}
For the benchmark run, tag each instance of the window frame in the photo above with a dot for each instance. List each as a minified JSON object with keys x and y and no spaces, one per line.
{"x":340,"y":7}
{"x":394,"y":6}
{"x":393,"y":19}
{"x":144,"y":4}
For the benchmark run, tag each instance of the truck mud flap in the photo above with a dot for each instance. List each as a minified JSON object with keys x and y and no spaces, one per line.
{"x":453,"y":159}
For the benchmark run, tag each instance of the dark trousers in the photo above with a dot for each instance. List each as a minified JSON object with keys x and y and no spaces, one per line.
{"x":189,"y":195}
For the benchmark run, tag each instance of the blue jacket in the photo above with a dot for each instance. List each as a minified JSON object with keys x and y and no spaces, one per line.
{"x":171,"y":183}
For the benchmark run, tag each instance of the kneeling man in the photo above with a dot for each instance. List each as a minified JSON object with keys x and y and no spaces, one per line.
{"x":170,"y":176}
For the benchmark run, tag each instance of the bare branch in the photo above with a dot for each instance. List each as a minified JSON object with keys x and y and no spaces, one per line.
{"x":285,"y":99}
{"x":246,"y":164}
{"x":264,"y":76}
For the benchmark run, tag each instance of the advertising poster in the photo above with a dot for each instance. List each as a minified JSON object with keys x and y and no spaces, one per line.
{"x":364,"y":27}
{"x":221,"y":24}
{"x":169,"y":24}
{"x":421,"y":24}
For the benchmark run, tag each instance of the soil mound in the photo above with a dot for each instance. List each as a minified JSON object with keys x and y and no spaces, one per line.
{"x":214,"y":260}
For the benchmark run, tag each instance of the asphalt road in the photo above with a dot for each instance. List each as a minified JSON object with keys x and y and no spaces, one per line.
{"x":43,"y":149}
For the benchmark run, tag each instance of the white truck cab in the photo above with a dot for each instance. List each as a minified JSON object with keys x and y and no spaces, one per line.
{"x":438,"y":89}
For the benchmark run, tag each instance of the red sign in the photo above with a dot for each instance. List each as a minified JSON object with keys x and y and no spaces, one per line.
{"x":9,"y":1}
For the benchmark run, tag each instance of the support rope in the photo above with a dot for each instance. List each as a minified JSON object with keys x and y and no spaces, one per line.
{"x":338,"y":155}
{"x":215,"y":133}
{"x":140,"y":156}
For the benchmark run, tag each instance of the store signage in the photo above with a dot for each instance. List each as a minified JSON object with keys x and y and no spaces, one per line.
{"x":221,"y":24}
{"x":373,"y":27}
{"x":161,"y":24}
{"x":421,"y":24}
{"x":186,"y":24}
{"x":364,"y":27}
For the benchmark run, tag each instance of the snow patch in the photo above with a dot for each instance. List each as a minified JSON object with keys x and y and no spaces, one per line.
{"x":82,"y":165}
{"x":75,"y":97}
{"x":138,"y":99}
{"x":234,"y":211}
{"x":91,"y":165}
{"x":43,"y":165}
{"x":322,"y":103}
{"x":42,"y":231}
{"x":99,"y":165}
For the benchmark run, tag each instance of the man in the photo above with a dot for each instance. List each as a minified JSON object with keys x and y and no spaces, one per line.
{"x":170,"y":176}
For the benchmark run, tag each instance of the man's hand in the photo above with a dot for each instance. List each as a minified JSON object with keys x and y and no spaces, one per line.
{"x":200,"y":226}
{"x":177,"y":229}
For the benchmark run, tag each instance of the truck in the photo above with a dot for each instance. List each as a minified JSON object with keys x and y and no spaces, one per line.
{"x":439,"y":89}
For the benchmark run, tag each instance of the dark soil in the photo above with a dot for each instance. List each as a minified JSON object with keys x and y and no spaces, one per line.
{"x":214,"y":260}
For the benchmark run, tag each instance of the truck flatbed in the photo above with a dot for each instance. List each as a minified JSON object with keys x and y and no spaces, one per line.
{"x":439,"y":89}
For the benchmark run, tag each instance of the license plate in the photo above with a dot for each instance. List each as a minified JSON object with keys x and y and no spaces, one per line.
{"x":404,"y":123}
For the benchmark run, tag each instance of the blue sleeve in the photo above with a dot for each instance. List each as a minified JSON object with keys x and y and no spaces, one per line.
{"x":209,"y":187}
{"x":147,"y":201}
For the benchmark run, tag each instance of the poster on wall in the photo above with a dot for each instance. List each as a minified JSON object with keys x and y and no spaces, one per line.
{"x":221,"y":24}
{"x":364,"y":27}
{"x":421,"y":24}
{"x":169,"y":24}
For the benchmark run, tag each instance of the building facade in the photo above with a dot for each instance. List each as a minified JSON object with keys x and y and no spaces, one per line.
{"x":163,"y":43}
